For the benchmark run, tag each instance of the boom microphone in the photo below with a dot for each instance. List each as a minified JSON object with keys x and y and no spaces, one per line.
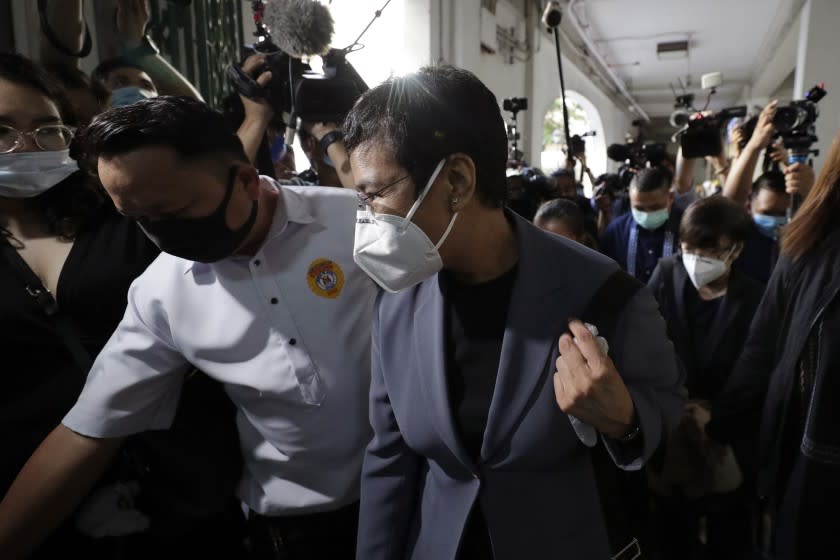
{"x":299,"y":27}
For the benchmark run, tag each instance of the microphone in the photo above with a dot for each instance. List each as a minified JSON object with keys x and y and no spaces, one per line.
{"x":553,"y":14}
{"x":618,"y":152}
{"x":299,"y":27}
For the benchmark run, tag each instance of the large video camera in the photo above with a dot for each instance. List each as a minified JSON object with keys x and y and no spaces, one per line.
{"x":295,"y":88}
{"x":796,"y":124}
{"x":635,"y":156}
{"x":702,"y":136}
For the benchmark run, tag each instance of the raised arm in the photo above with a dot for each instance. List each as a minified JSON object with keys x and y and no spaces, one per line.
{"x":739,"y":181}
{"x":258,"y":113}
{"x":684,"y":176}
{"x":65,"y":19}
{"x":51,"y":485}
{"x":132,"y":19}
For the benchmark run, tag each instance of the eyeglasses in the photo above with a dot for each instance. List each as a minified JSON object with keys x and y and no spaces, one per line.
{"x":49,"y":138}
{"x":366,"y":199}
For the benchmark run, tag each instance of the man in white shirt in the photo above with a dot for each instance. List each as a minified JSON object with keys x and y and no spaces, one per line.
{"x":258,"y":289}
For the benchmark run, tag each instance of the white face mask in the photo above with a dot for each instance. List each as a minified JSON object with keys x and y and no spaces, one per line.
{"x":702,"y":271}
{"x":28,"y":174}
{"x":394,"y":251}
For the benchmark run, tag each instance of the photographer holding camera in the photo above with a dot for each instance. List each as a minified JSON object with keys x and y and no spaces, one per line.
{"x":322,"y":142}
{"x":768,"y":197}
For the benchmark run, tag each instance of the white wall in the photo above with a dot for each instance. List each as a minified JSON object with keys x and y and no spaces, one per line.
{"x":537,"y":79}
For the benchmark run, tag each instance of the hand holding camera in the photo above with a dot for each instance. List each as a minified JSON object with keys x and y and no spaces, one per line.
{"x":765,"y":130}
{"x":257,"y":109}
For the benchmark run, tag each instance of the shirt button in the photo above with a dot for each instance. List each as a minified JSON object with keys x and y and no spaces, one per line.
{"x":292,"y":341}
{"x":650,"y":251}
{"x":274,"y":301}
{"x":257,"y":262}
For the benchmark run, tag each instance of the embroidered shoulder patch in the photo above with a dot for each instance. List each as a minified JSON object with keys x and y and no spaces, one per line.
{"x":325,"y":278}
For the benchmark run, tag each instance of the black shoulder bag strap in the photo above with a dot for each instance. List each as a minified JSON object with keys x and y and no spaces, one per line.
{"x":45,"y":300}
{"x":618,"y":490}
{"x":53,"y":38}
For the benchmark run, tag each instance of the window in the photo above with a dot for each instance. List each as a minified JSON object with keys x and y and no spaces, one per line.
{"x":583,"y":119}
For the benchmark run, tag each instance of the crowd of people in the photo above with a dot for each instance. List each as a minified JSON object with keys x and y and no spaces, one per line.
{"x":404,"y":351}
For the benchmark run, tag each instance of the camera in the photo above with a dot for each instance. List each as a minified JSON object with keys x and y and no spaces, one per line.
{"x":796,"y":124}
{"x":634,"y":156}
{"x":515,"y":104}
{"x":295,"y":88}
{"x":702,"y":135}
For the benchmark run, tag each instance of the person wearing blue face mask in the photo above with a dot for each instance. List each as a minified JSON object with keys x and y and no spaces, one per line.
{"x":650,"y":231}
{"x":768,"y":207}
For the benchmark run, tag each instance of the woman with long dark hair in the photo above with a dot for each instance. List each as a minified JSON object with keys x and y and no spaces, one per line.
{"x":786,"y":386}
{"x":63,"y":248}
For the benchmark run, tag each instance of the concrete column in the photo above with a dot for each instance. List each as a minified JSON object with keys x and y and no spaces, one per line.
{"x":817,"y":62}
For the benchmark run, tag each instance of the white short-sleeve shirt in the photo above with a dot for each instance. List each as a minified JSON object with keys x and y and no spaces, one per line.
{"x":287,"y":332}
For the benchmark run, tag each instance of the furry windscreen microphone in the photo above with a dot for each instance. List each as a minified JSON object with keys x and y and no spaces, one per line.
{"x":299,"y":27}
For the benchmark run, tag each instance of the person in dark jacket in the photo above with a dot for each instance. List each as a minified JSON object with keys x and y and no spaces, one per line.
{"x":784,"y":390}
{"x":708,"y":306}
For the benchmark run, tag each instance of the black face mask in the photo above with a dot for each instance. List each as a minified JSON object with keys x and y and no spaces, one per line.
{"x":207,"y":239}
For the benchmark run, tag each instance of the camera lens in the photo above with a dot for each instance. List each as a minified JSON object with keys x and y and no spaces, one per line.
{"x":788,"y":118}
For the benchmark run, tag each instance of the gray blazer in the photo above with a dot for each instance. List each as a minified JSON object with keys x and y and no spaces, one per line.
{"x":534,"y":479}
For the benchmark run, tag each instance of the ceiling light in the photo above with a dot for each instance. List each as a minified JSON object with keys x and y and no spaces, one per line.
{"x":673,"y":50}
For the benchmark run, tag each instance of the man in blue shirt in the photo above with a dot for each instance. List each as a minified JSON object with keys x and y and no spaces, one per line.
{"x":650,"y":231}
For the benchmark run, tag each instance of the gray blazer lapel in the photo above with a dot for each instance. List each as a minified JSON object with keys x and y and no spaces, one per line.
{"x":429,"y":360}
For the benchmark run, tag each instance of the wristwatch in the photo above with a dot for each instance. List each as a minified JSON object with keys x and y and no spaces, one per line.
{"x":330,"y":138}
{"x":633,"y":434}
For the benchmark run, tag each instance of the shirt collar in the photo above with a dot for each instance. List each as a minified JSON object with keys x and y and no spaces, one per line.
{"x":292,"y":207}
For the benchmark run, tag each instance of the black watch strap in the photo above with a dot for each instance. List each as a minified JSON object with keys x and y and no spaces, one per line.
{"x":330,"y":138}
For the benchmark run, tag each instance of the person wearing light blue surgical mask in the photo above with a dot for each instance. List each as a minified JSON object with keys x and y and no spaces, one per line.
{"x":127,"y":82}
{"x":650,"y":231}
{"x":768,"y":208}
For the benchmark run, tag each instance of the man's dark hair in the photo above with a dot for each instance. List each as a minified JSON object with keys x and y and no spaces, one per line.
{"x":74,"y":205}
{"x":563,"y":210}
{"x":709,"y":219}
{"x":190,"y":127}
{"x":652,"y":179}
{"x":429,"y":115}
{"x":772,"y":181}
{"x":611,"y":181}
{"x":563,"y":172}
{"x":73,"y":78}
{"x":103,"y":69}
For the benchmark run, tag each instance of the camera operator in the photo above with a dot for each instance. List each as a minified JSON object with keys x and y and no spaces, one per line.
{"x":784,"y":390}
{"x":768,"y":197}
{"x":322,"y":140}
{"x":610,"y":200}
{"x":651,"y":231}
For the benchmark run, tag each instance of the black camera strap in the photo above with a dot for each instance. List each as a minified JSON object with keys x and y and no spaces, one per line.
{"x":53,"y":38}
{"x":35,"y":289}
